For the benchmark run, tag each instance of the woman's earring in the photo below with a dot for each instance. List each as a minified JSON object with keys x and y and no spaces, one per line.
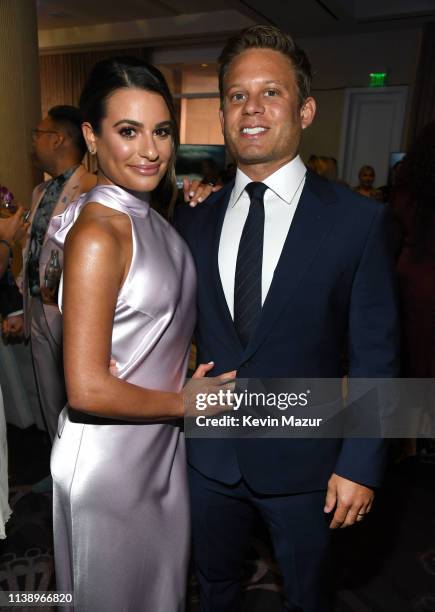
{"x":91,"y":150}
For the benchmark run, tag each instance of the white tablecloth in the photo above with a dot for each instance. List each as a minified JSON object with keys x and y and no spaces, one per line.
{"x":5,"y":510}
{"x":21,"y":404}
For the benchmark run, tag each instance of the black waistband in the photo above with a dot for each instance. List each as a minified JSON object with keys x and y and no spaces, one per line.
{"x":76,"y":416}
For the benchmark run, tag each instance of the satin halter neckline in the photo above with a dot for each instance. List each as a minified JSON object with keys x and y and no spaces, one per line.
{"x":120,"y":199}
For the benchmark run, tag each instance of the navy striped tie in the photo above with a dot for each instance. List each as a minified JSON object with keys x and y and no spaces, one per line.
{"x":247,"y":282}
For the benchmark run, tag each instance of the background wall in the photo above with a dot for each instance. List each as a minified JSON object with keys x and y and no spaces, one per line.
{"x":199,"y":123}
{"x":20,"y":107}
{"x":341,"y":62}
{"x":338,"y":62}
{"x":63,"y":75}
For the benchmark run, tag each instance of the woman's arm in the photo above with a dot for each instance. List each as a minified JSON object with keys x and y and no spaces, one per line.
{"x":95,"y":265}
{"x":10,"y":229}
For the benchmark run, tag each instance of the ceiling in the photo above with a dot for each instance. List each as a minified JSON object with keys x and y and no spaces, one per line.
{"x":78,"y":23}
{"x":73,"y":13}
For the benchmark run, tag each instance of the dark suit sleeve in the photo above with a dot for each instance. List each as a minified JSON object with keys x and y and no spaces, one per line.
{"x":373,"y":344}
{"x":10,"y":298}
{"x":182,"y":221}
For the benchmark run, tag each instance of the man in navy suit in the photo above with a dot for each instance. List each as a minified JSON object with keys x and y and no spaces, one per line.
{"x":289,"y":266}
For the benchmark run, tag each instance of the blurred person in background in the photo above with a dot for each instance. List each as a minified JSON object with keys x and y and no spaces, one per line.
{"x":366,"y":177}
{"x":58,"y":150}
{"x":11,"y":229}
{"x":324,"y":166}
{"x":413,"y":204}
{"x":388,"y":189}
{"x":331,"y":171}
{"x":311,"y":163}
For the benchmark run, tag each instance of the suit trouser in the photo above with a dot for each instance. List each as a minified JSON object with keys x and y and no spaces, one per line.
{"x":47,"y":361}
{"x":223,"y":518}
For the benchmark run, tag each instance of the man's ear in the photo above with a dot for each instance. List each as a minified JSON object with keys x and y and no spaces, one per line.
{"x":89,"y":136}
{"x":308,"y":112}
{"x":58,"y":140}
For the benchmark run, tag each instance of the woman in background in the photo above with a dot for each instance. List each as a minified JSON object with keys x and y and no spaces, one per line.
{"x":121,"y":508}
{"x":366,"y":177}
{"x":11,"y":228}
{"x":413,"y":204}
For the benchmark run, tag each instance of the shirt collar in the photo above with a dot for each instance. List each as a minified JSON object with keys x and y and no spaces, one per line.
{"x":283,"y":182}
{"x":68,"y":173}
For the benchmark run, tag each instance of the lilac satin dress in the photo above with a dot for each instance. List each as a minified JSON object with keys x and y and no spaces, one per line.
{"x":121,"y":505}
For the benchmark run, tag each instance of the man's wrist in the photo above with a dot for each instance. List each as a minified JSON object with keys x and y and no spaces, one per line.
{"x":16,"y":313}
{"x":179,"y":402}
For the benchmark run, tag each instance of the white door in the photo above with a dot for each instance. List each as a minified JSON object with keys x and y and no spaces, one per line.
{"x":372,"y":128}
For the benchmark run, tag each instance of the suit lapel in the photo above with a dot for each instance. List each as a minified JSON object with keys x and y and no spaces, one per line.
{"x":312,"y":221}
{"x":210,"y":262}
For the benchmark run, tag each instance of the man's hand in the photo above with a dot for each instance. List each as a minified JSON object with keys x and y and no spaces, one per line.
{"x":196,"y":192}
{"x":351,"y":501}
{"x":12,"y":327}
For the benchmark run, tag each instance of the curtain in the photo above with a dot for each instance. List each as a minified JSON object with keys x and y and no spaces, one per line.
{"x":63,"y":75}
{"x":423,"y":103}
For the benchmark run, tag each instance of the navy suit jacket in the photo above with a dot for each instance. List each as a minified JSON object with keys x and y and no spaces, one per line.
{"x":334,"y":282}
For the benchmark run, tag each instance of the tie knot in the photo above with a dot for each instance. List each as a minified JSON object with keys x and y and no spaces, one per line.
{"x":256,"y":190}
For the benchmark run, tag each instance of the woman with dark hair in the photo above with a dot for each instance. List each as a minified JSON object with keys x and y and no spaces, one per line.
{"x":11,"y":229}
{"x":121,"y":508}
{"x":413,"y":203}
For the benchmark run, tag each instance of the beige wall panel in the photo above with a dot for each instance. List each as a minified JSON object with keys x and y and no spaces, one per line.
{"x":200,"y":121}
{"x":323,"y":136}
{"x":200,"y":80}
{"x":63,"y":75}
{"x":20,"y":107}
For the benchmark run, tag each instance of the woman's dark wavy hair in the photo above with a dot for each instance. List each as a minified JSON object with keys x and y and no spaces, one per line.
{"x":115,"y":73}
{"x":419,"y":177}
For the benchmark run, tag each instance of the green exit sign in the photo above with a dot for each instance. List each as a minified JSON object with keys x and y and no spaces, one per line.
{"x":378,"y":79}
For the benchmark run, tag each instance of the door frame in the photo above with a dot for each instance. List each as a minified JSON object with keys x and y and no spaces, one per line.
{"x":349,"y":119}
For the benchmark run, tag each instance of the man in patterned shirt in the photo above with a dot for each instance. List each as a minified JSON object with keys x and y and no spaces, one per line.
{"x":58,"y":149}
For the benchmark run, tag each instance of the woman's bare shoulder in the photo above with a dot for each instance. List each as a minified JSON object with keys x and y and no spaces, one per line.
{"x":96,"y":228}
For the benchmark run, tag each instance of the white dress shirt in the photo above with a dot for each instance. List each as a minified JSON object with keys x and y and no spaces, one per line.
{"x":280,"y":202}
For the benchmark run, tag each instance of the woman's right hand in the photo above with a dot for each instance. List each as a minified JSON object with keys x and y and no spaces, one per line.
{"x":196,"y":192}
{"x":210,"y":385}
